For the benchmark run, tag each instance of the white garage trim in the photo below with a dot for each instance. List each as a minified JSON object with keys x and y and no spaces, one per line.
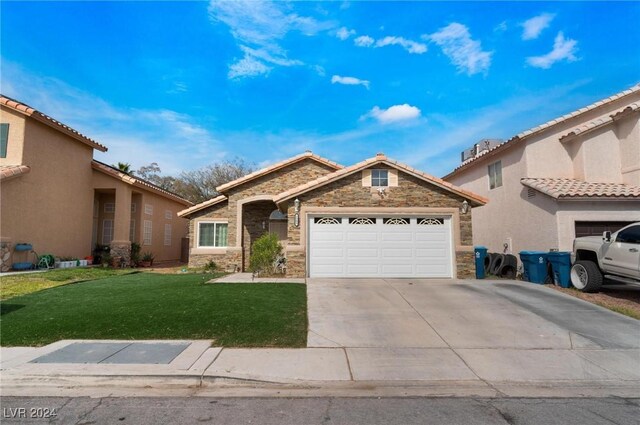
{"x":398,"y":244}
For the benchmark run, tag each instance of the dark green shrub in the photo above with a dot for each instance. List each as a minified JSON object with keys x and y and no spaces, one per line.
{"x":264,"y":252}
{"x":210,"y":267}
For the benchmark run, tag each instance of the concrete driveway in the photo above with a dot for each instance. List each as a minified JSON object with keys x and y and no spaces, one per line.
{"x":448,"y":329}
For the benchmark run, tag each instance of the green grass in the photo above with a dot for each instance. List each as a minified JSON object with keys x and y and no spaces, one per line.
{"x":157,"y":306}
{"x":26,"y":283}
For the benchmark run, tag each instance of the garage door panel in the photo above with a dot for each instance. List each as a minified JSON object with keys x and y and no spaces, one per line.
{"x":380,"y":249}
{"x":365,"y":253}
{"x":397,"y":237}
{"x":362,"y":236}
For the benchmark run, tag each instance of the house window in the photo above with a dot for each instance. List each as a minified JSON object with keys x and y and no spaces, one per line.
{"x":4,"y":139}
{"x":147,"y":232}
{"x":168,"y":215}
{"x":133,"y":208}
{"x":109,"y":207}
{"x":148,"y":209}
{"x":495,"y":175}
{"x":167,"y":235}
{"x":107,"y":232}
{"x":212,"y":234}
{"x":380,"y":178}
{"x":132,"y":231}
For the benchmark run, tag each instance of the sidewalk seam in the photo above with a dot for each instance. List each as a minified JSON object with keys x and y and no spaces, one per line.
{"x":208,"y":366}
{"x":346,"y":355}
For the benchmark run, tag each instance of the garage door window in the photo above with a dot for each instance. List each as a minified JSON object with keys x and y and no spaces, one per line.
{"x":327,"y":220}
{"x":430,"y":221}
{"x":396,"y":221}
{"x":362,"y":220}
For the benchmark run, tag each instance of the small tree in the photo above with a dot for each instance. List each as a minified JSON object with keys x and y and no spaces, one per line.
{"x":264,"y":252}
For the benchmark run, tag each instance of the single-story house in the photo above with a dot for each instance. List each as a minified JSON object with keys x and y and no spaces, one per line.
{"x":576,"y":175}
{"x":377,"y":218}
{"x":60,"y":200}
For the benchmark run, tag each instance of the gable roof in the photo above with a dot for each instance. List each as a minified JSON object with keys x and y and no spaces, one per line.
{"x":276,"y":167}
{"x":378,"y":159}
{"x":202,"y":205}
{"x":138,"y":182}
{"x":47,"y":120}
{"x":562,"y":188}
{"x":542,"y":127}
{"x":11,"y":171}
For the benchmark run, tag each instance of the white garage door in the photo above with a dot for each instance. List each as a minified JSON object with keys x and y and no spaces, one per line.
{"x":391,"y":246}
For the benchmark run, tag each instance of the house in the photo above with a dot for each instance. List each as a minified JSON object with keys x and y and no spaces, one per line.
{"x":576,"y":175}
{"x":57,"y":198}
{"x":376,"y":218}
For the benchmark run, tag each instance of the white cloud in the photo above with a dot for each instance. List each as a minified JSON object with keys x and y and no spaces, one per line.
{"x":464,"y":52}
{"x":409,"y":45}
{"x":531,"y":28}
{"x":139,"y":136}
{"x":563,"y":49}
{"x":363,"y":41}
{"x":350,"y":81}
{"x":344,"y":33}
{"x":501,"y":27}
{"x":258,"y":27}
{"x":393,"y":114}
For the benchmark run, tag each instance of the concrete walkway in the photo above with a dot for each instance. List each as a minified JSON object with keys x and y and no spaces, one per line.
{"x":374,"y":337}
{"x":249,"y":278}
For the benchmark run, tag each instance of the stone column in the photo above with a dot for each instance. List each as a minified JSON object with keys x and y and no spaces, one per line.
{"x":121,"y":245}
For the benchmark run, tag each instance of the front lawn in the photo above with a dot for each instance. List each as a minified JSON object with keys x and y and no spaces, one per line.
{"x":156,"y":306}
{"x":26,"y":283}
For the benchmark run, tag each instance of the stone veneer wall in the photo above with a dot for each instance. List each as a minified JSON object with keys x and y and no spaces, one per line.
{"x":270,"y":184}
{"x":410,"y":192}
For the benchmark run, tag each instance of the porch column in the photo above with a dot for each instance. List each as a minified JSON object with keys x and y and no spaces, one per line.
{"x":121,"y":245}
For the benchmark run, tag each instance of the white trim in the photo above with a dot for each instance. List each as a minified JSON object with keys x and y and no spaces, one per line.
{"x":147,"y":241}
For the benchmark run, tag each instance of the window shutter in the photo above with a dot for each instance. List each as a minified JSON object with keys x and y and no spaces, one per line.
{"x":366,"y":178}
{"x":4,"y":139}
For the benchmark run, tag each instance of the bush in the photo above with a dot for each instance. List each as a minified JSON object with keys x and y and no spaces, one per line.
{"x":264,"y":252}
{"x":135,"y":253}
{"x":210,"y":267}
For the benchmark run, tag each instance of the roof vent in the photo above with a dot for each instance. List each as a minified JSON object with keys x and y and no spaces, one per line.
{"x":380,"y":154}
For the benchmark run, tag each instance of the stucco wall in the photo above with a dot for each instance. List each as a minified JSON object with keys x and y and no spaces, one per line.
{"x":15,"y":143}
{"x":608,"y":154}
{"x":51,"y":206}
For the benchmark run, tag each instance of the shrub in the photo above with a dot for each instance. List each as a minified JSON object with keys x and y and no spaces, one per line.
{"x":135,"y":253}
{"x":264,"y":252}
{"x":210,"y":267}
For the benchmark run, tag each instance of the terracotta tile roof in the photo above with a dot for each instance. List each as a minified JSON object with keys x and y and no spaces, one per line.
{"x":11,"y":171}
{"x":137,"y":181}
{"x":202,"y":205}
{"x":277,"y":166}
{"x":536,"y":130}
{"x":599,"y":122}
{"x":46,"y":119}
{"x":378,"y":159}
{"x":560,"y":188}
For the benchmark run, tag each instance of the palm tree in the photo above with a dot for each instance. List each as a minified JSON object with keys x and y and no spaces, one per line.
{"x":125,"y":167}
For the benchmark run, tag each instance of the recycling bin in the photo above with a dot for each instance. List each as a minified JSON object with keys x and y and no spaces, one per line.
{"x":561,"y":267}
{"x":535,"y":267}
{"x":480,"y":252}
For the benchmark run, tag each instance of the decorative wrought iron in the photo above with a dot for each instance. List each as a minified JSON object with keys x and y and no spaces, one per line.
{"x":396,"y":221}
{"x":362,"y":220}
{"x":327,"y":220}
{"x":430,"y":222}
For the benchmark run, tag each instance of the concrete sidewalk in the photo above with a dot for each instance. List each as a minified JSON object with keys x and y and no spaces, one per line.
{"x":200,"y":368}
{"x":249,"y":278}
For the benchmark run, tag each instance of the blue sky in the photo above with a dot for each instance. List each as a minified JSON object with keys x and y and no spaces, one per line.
{"x":185,"y":84}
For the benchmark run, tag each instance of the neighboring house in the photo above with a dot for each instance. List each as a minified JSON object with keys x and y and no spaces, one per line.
{"x":55,"y":196}
{"x":576,"y":175}
{"x":376,"y":218}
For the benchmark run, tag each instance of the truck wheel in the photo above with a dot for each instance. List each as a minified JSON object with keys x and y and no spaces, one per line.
{"x":586,"y":276}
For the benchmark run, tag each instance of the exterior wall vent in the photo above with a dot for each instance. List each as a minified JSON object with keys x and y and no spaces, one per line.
{"x":531,"y":193}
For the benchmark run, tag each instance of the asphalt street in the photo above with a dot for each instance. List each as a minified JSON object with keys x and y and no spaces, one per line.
{"x":343,"y":411}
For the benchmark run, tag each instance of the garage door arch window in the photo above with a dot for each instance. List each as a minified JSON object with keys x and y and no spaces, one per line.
{"x":395,"y":221}
{"x":362,"y":220}
{"x":430,"y":221}
{"x":327,"y":220}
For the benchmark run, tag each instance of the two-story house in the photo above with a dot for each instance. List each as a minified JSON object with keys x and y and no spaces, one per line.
{"x":56,"y":197}
{"x":576,"y":175}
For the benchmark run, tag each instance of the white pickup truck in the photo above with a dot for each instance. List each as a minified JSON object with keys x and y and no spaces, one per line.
{"x":614,"y":256}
